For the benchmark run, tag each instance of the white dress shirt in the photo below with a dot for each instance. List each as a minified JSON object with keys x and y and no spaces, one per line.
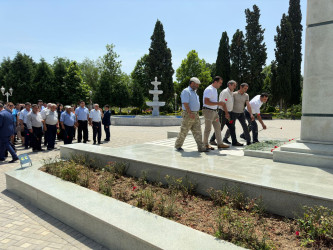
{"x":95,"y":115}
{"x":226,"y":96}
{"x":255,"y":104}
{"x":211,"y":93}
{"x":24,"y":114}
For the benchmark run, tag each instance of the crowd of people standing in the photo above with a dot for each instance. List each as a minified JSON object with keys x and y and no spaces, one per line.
{"x":41,"y":123}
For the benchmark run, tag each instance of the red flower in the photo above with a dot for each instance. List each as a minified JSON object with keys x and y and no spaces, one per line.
{"x":226,"y":100}
{"x":272,"y":149}
{"x":134,"y":188}
{"x":231,"y":121}
{"x":297,"y":233}
{"x":289,"y":140}
{"x":275,"y":146}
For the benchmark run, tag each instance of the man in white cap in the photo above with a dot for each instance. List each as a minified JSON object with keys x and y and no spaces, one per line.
{"x":191,"y":120}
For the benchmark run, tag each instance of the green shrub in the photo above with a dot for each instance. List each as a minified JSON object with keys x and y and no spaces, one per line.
{"x":69,"y":173}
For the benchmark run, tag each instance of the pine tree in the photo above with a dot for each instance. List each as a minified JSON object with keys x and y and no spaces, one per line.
{"x":283,"y":56}
{"x":295,"y":18}
{"x":238,"y":57}
{"x":256,"y":50}
{"x":159,"y":62}
{"x":223,"y":59}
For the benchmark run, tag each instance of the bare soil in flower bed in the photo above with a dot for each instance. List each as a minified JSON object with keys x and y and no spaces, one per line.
{"x":226,"y":214}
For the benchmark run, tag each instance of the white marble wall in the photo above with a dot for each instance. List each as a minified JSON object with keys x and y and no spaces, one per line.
{"x":318,"y":73}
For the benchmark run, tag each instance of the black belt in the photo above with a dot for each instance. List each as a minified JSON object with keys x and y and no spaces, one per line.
{"x":208,"y":108}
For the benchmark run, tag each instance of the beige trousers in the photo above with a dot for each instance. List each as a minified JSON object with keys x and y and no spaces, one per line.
{"x":211,"y":118}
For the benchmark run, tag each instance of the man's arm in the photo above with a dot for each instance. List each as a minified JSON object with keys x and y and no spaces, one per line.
{"x":261,"y":122}
{"x":62,"y":125}
{"x":249,"y":109}
{"x":188,"y":110}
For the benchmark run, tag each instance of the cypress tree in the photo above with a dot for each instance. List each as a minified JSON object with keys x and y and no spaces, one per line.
{"x":223,"y":58}
{"x":256,"y":50}
{"x":159,"y":62}
{"x":44,"y":83}
{"x":281,"y":88}
{"x":238,"y":57}
{"x":295,"y":18}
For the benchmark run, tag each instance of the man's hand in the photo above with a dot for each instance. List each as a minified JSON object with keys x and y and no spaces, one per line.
{"x":45,"y":128}
{"x":227,"y":116}
{"x":30,"y":130}
{"x":252,"y":118}
{"x":107,"y":126}
{"x":192,"y":116}
{"x":63,"y":127}
{"x":264,"y":126}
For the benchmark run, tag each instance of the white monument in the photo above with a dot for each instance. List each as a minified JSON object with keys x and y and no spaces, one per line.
{"x":315,"y":148}
{"x":155,"y":103}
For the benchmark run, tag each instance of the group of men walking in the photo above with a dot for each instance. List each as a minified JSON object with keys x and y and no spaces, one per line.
{"x":36,"y":121}
{"x":219,"y":111}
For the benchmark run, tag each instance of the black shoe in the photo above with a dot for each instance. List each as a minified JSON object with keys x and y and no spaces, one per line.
{"x":78,"y":141}
{"x":85,"y":142}
{"x":237,"y":144}
{"x":256,"y":141}
{"x":106,"y":139}
{"x":213,"y":143}
{"x":226,"y":141}
{"x":242,"y":136}
{"x":35,"y":150}
{"x":41,"y":149}
{"x":14,"y":160}
{"x":100,"y":142}
{"x":179,"y":149}
{"x":248,"y":143}
{"x":26,"y":147}
{"x":2,"y":159}
{"x":94,"y":143}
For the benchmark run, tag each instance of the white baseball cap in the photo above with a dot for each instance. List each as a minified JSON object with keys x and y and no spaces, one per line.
{"x":196,"y":80}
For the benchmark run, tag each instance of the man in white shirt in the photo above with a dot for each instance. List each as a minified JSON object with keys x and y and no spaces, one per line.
{"x":50,"y":124}
{"x":225,"y":112}
{"x":95,"y":118}
{"x":255,"y":103}
{"x":43,"y":111}
{"x":209,"y":111}
{"x":23,"y":121}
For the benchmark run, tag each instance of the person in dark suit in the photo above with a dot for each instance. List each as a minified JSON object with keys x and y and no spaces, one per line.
{"x":7,"y":129}
{"x":107,"y":122}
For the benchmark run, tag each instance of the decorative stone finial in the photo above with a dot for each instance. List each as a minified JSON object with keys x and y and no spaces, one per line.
{"x":155,"y":78}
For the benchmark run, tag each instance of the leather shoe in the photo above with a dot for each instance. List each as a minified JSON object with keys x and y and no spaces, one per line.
{"x":226,"y":141}
{"x":213,"y":143}
{"x":255,"y":141}
{"x":248,"y":143}
{"x":14,"y":160}
{"x":100,"y":142}
{"x":220,"y":146}
{"x":179,"y":149}
{"x":242,"y":136}
{"x":204,"y":150}
{"x":209,"y":147}
{"x":237,"y":144}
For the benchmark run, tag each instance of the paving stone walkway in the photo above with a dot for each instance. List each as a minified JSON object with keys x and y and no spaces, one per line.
{"x":23,"y":226}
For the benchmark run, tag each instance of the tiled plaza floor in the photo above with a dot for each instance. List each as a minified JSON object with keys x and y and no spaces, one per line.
{"x":23,"y":226}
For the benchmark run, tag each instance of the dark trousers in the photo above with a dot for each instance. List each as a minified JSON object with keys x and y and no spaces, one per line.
{"x":97,"y":130}
{"x":252,"y":126}
{"x":45,"y":138}
{"x":5,"y":145}
{"x":241,"y":118}
{"x":27,"y":136}
{"x":83,"y":126}
{"x":68,"y":134}
{"x":231,"y":126}
{"x":107,"y":132}
{"x":50,"y":134}
{"x":36,"y":138}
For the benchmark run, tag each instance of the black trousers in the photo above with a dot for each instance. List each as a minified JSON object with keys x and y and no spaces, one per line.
{"x":36,"y":138}
{"x":97,"y":130}
{"x":107,"y":132}
{"x":50,"y":134}
{"x":252,"y":126}
{"x":27,"y":136}
{"x":68,"y":134}
{"x":241,"y":118}
{"x":83,"y":127}
{"x":231,"y":126}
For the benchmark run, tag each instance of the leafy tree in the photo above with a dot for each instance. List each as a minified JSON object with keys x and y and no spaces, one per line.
{"x":159,"y":62}
{"x":191,"y":66}
{"x":238,"y":57}
{"x":137,"y":96}
{"x":75,"y":89}
{"x":140,"y":76}
{"x":223,"y":59}
{"x":256,"y":50}
{"x":20,"y":77}
{"x":4,"y":73}
{"x":60,"y":66}
{"x":295,"y":18}
{"x":281,"y":87}
{"x":212,"y":68}
{"x":120,"y":92}
{"x":267,"y":72}
{"x":44,"y":83}
{"x":90,"y":72}
{"x":103,"y":93}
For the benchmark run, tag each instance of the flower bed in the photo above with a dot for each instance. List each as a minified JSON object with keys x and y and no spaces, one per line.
{"x":266,"y":145}
{"x":226,"y":214}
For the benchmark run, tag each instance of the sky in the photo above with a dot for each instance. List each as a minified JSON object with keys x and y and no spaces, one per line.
{"x":78,"y":29}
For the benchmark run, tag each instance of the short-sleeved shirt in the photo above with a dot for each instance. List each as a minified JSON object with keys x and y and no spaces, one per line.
{"x":82,"y":113}
{"x":34,"y":120}
{"x":190,"y":96}
{"x":23,"y":115}
{"x":67,"y":119}
{"x":211,"y":93}
{"x":14,"y":113}
{"x":227,"y":98}
{"x":50,"y":117}
{"x":95,"y":115}
{"x":255,"y":104}
{"x":239,"y":102}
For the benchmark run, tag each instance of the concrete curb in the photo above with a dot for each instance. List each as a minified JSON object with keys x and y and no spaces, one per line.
{"x":112,"y":223}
